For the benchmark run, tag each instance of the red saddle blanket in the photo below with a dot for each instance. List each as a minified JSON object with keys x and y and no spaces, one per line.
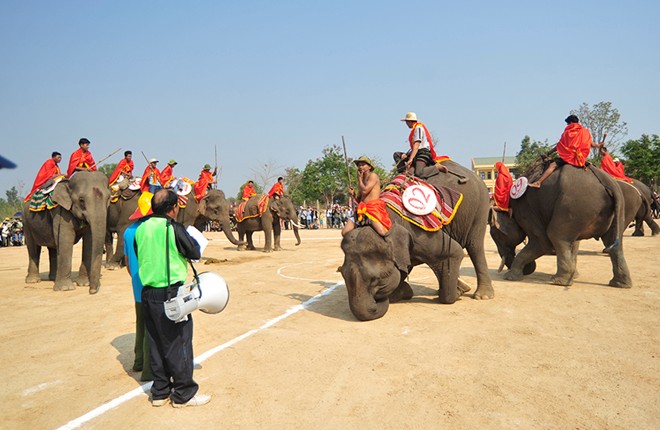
{"x":448,"y":203}
{"x":262,"y":206}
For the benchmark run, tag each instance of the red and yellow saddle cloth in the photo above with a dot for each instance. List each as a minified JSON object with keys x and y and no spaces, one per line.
{"x":262,"y":206}
{"x":448,"y":203}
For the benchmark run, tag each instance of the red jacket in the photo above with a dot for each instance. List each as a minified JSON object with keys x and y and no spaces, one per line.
{"x":574,"y":145}
{"x":47,"y":171}
{"x":278,"y":189}
{"x":80,"y":159}
{"x":152,"y":172}
{"x":503,"y":184}
{"x":248,"y":191}
{"x":202,"y":184}
{"x":166,"y":176}
{"x":125,"y":167}
{"x":614,"y":168}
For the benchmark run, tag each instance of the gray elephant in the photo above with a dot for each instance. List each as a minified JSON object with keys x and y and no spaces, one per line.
{"x":213,"y":207}
{"x":269,"y":222}
{"x":573,"y":204}
{"x":644,"y":213}
{"x":118,"y":219}
{"x":81,"y":213}
{"x":375,"y":267}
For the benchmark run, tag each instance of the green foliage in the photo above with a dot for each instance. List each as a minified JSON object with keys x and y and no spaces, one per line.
{"x":11,"y":204}
{"x":107,"y":169}
{"x":643,"y":159}
{"x":530,"y":151}
{"x":602,"y":118}
{"x":325,"y":179}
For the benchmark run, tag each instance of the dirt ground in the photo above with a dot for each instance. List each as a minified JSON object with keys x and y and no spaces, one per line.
{"x":538,"y":356}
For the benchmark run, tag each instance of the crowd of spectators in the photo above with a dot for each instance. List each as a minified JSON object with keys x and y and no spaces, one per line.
{"x":11,"y":232}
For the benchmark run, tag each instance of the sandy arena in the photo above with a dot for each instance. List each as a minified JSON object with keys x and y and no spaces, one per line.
{"x":538,"y":356}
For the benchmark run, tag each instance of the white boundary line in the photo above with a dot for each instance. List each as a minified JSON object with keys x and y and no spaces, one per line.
{"x":144,"y":389}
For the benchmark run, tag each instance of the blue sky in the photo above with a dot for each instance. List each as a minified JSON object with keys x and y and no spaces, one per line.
{"x":276,"y":82}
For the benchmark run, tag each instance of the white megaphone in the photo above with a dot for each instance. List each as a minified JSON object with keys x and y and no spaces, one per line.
{"x":209,"y":295}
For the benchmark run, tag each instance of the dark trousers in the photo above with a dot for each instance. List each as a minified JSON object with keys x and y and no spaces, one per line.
{"x":141,"y":348}
{"x":170,"y":349}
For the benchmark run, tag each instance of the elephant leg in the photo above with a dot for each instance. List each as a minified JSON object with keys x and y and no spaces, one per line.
{"x":565,"y":263}
{"x":576,"y":248}
{"x":34,"y":255}
{"x":639,"y":227}
{"x":118,"y":256}
{"x":621,"y":278}
{"x":403,"y":292}
{"x":526,"y":256}
{"x":109,"y":249}
{"x":83,"y":271}
{"x":277,"y":233}
{"x":63,"y":279}
{"x":241,"y":238}
{"x":655,"y":229}
{"x":268,"y":233}
{"x":52,"y":258}
{"x":477,"y":255}
{"x":447,"y":271}
{"x":250,"y":243}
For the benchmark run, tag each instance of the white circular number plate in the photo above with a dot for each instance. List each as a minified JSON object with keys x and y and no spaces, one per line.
{"x":419,"y":199}
{"x":518,"y":188}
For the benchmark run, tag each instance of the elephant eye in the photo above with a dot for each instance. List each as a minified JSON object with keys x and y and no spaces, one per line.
{"x":82,"y":202}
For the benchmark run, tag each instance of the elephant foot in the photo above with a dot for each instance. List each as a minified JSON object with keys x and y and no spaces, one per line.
{"x":241,"y":247}
{"x":268,"y":250}
{"x":513,"y":276}
{"x":619,"y":284}
{"x":94,"y":290}
{"x":560,"y":280}
{"x":462,"y":286}
{"x":32,"y":279}
{"x":112,"y":266}
{"x":277,"y":248}
{"x":82,"y":282}
{"x":484,"y":292}
{"x":251,"y":248}
{"x":655,"y":231}
{"x":638,"y":233}
{"x":403,"y":292}
{"x":64,"y":286}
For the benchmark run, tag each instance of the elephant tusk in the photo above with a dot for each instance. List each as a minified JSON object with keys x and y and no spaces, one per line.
{"x":296,"y":225}
{"x":499,"y":269}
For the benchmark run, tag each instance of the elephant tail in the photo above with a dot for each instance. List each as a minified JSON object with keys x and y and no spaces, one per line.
{"x":615,"y":193}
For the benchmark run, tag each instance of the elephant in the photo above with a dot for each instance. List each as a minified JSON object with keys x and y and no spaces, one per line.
{"x":571,"y":205}
{"x":269,"y":222}
{"x":118,"y":219}
{"x":81,"y":213}
{"x":644,"y":213}
{"x":213,"y":207}
{"x":375,"y":267}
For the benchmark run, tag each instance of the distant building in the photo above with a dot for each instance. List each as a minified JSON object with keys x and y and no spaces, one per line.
{"x":484,"y":167}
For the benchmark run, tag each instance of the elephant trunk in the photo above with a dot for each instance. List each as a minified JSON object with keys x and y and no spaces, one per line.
{"x":226,"y":229}
{"x":366,"y":307}
{"x":296,"y":233}
{"x":95,"y":257}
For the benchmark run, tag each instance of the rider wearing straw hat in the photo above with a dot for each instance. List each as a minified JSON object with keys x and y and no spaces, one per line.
{"x":422,"y":152}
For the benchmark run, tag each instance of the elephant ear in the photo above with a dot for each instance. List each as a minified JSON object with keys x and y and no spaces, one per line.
{"x":275,"y":205}
{"x":62,"y":195}
{"x":400,"y":243}
{"x":201,"y":207}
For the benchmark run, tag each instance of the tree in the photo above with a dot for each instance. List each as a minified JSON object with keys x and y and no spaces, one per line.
{"x":643,"y":159}
{"x":530,"y":151}
{"x":602,"y":118}
{"x":108,"y":169}
{"x":293,"y":184}
{"x":267,"y":175}
{"x":257,"y":189}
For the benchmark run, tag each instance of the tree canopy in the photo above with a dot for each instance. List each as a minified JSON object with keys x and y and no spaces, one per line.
{"x":325,"y":179}
{"x":530,"y":151}
{"x":643,"y":159}
{"x":602,"y":118}
{"x":107,"y":169}
{"x":11,"y":204}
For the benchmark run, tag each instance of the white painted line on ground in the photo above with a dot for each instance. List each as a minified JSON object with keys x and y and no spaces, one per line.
{"x":144,"y":389}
